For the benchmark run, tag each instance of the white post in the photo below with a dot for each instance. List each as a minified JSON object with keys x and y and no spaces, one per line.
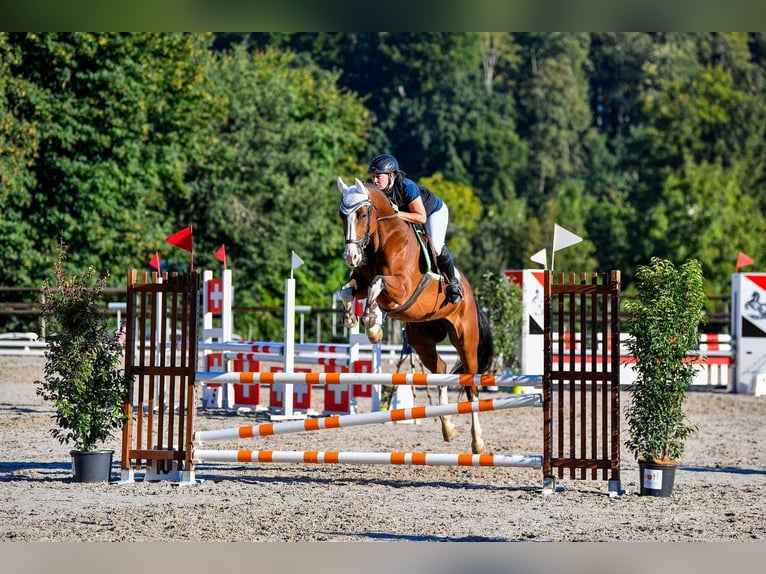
{"x":289,"y":349}
{"x":217,"y":299}
{"x":376,"y":368}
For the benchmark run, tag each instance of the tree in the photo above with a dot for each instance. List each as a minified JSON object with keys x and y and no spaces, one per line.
{"x":269,"y":187}
{"x":703,"y":212}
{"x":554,"y":105}
{"x":19,"y":138}
{"x":117,"y":121}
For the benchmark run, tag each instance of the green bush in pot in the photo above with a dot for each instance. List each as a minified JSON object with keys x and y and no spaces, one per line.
{"x":663,"y":322}
{"x":82,"y":375}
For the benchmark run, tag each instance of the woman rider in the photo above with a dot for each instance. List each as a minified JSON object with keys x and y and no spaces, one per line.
{"x":417,"y":204}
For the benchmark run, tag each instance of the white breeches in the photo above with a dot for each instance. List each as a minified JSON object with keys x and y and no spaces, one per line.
{"x":436,"y":227}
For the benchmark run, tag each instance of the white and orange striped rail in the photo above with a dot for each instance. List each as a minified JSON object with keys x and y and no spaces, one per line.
{"x":419,"y":379}
{"x":393,"y":458}
{"x":342,"y":421}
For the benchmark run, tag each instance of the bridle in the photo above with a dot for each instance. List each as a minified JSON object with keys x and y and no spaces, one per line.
{"x":365,"y":240}
{"x":360,"y":243}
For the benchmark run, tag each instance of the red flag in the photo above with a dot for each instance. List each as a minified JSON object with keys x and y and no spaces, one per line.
{"x":742,"y":261}
{"x":182,"y":239}
{"x":155,"y":261}
{"x":221,"y":254}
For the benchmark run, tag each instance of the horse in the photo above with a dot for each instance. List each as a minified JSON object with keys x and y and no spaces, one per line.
{"x":394,"y":271}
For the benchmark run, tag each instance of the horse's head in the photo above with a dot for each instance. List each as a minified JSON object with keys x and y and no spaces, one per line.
{"x":356,"y":211}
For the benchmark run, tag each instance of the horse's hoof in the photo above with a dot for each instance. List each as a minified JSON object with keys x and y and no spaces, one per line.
{"x":350,"y":321}
{"x":448,"y":432}
{"x":375,"y":334}
{"x":478,"y":446}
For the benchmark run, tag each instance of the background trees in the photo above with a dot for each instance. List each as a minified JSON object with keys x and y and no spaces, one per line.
{"x":643,"y":144}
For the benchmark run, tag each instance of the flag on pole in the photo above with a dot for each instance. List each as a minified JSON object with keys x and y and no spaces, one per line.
{"x":154,"y":262}
{"x":295,"y":262}
{"x":563,"y":238}
{"x":182,"y":239}
{"x":541,"y":257}
{"x":742,"y":261}
{"x":221,"y":254}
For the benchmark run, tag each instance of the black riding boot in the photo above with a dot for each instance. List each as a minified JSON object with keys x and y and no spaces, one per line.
{"x":446,"y":265}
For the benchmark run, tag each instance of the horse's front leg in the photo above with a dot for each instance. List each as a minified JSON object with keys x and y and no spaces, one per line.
{"x":347,"y":297}
{"x":373,"y":316}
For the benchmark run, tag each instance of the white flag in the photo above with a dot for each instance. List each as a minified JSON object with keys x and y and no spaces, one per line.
{"x":295,"y":262}
{"x":541,"y":257}
{"x":563,"y":238}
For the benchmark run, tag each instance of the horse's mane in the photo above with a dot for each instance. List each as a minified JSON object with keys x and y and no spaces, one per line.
{"x":380,"y":200}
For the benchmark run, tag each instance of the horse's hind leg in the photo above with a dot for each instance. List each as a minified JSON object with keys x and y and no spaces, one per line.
{"x":468,"y":364}
{"x":448,"y":427}
{"x":426,"y":349}
{"x":477,"y":442}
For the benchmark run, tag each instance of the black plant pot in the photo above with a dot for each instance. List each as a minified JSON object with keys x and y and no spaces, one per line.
{"x":91,"y":466}
{"x":656,"y":479}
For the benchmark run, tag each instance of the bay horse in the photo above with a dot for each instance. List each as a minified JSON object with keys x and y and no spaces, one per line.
{"x":393,"y":270}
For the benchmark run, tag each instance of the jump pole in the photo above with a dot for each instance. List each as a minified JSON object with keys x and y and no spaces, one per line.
{"x":419,"y":379}
{"x":343,"y":421}
{"x":393,"y":458}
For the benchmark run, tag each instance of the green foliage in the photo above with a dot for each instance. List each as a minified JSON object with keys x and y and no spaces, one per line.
{"x":82,"y":378}
{"x":464,"y":210}
{"x":710,"y":198}
{"x":502,"y":302}
{"x":641,"y":143}
{"x":269,"y":187}
{"x":115,"y":122}
{"x":663,"y":325}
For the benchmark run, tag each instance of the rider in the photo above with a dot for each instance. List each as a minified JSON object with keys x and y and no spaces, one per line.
{"x":417,"y":204}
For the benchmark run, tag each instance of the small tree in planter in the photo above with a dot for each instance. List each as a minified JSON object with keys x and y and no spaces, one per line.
{"x":82,"y":378}
{"x":663,"y":322}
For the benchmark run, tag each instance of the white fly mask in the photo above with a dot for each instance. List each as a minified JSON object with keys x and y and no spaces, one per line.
{"x":353,"y":199}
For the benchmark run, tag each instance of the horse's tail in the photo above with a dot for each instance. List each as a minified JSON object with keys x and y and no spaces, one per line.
{"x":486,"y":350}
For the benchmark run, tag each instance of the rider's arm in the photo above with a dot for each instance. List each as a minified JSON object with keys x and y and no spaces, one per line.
{"x":416,"y":213}
{"x":416,"y":210}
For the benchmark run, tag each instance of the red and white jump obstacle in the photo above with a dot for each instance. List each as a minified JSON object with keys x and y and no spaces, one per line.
{"x":342,"y":421}
{"x":221,"y":354}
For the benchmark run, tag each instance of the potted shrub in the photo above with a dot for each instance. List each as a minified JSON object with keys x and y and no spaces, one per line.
{"x":663,"y":322}
{"x":82,"y":378}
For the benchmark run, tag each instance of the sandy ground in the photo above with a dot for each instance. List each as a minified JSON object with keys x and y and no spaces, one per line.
{"x":719,"y":495}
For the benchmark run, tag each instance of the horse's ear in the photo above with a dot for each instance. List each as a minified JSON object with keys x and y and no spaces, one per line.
{"x":360,"y":187}
{"x":342,"y":186}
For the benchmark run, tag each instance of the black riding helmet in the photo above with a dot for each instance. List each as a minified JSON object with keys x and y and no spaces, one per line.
{"x":384,"y":163}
